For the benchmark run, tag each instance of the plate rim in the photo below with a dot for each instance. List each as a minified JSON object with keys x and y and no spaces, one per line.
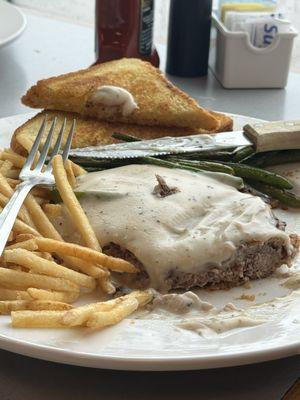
{"x":169,"y":363}
{"x":20,"y":30}
{"x":178,"y":363}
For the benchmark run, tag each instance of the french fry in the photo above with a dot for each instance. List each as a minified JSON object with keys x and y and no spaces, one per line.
{"x":70,"y":174}
{"x":17,"y":160}
{"x":13,"y":182}
{"x":7,"y":191}
{"x":47,"y":229}
{"x":77,"y":169}
{"x":127,"y":306}
{"x":41,"y":221}
{"x":37,"y":319}
{"x":4,"y":200}
{"x":22,"y":237}
{"x":4,"y":187}
{"x":87,"y":268}
{"x":143,"y":296}
{"x":21,"y":227}
{"x":26,"y":143}
{"x":52,"y":210}
{"x":7,"y":306}
{"x":79,"y":315}
{"x":41,"y":294}
{"x":40,"y":265}
{"x":17,"y":268}
{"x":11,"y":294}
{"x":106,"y":285}
{"x":12,"y":174}
{"x":5,"y":167}
{"x":75,"y":250}
{"x":11,"y":236}
{"x":101,"y":319}
{"x":43,"y":254}
{"x":24,"y":280}
{"x":70,"y":200}
{"x":30,"y":245}
{"x":27,"y":244}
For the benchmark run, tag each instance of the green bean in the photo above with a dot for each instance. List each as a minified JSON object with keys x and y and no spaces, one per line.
{"x":164,"y":163}
{"x":99,"y":163}
{"x":213,"y":155}
{"x":243,"y":153}
{"x":125,"y":137}
{"x":274,"y":158}
{"x":94,"y":169}
{"x":257,"y":159}
{"x":206,"y":165}
{"x":260,"y":175}
{"x":287,"y":198}
{"x":195,"y":167}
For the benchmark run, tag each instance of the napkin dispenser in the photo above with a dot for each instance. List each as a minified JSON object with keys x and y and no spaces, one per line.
{"x":238,"y":64}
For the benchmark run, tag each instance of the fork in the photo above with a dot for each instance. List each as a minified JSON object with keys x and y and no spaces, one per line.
{"x":34,"y":174}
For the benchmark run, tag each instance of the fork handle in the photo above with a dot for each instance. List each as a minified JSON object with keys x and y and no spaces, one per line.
{"x":11,"y":210}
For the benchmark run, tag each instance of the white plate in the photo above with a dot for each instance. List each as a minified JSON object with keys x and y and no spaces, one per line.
{"x":12,"y":22}
{"x":157,"y":343}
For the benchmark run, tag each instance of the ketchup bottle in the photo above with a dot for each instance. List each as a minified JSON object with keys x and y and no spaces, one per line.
{"x":124,"y":28}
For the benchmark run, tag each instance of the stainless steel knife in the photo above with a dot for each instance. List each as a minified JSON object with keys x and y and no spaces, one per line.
{"x":263,"y":136}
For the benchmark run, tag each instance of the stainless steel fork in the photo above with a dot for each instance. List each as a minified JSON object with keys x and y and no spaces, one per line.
{"x":34,"y":174}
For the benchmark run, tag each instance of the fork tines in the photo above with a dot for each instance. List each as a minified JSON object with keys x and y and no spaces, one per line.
{"x":30,"y":162}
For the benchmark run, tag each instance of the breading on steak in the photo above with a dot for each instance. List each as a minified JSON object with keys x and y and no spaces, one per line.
{"x":254,"y":260}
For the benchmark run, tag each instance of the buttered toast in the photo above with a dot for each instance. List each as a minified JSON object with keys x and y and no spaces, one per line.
{"x":91,"y":132}
{"x":159,"y":102}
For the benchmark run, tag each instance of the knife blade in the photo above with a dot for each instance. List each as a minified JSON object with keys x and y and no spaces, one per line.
{"x":278,"y":135}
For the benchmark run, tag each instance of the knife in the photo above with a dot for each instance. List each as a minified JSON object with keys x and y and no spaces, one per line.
{"x":263,"y":136}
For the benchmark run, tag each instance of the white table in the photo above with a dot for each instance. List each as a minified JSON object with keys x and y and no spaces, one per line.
{"x":50,"y":47}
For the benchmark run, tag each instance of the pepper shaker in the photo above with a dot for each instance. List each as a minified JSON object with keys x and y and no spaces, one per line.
{"x":189,"y":37}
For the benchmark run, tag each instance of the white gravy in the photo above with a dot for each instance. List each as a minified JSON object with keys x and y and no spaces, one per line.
{"x":293,"y":282}
{"x":197,"y":227}
{"x":114,"y":96}
{"x":182,"y":303}
{"x":220,"y":325}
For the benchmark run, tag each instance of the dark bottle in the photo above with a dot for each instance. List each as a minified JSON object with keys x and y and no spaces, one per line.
{"x":189,"y":36}
{"x":124,"y":28}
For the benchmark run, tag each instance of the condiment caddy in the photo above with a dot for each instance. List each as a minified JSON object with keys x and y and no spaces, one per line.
{"x":237,"y":63}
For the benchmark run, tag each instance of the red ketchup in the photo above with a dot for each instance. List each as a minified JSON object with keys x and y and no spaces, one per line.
{"x":124,"y":28}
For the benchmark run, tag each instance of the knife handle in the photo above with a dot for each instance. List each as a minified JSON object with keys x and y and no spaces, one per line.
{"x":275,"y":135}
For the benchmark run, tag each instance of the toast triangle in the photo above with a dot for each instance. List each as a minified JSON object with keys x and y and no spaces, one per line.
{"x":159,"y":102}
{"x":91,"y":132}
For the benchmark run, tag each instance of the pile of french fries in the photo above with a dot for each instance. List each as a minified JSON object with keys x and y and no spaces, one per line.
{"x":41,"y":275}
